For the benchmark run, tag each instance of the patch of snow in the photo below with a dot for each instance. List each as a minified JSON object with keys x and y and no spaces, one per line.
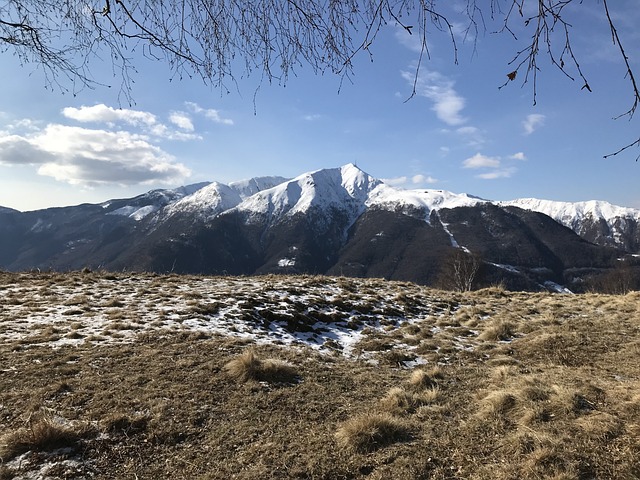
{"x":554,"y":287}
{"x":286,"y":262}
{"x":508,"y":268}
{"x":135,"y":213}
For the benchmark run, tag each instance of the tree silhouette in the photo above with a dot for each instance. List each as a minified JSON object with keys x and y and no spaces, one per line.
{"x":220,"y":41}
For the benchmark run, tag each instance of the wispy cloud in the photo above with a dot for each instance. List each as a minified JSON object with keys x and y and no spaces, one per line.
{"x":472,"y":136}
{"x":495,"y":165}
{"x":518,"y":156}
{"x":503,"y":173}
{"x":410,"y":182}
{"x":481,"y":161}
{"x":412,"y":42}
{"x":396,"y":181}
{"x":312,"y":117}
{"x":423,"y":180}
{"x":447,"y":103}
{"x":532,"y":122}
{"x":182,"y":120}
{"x":210,"y":113}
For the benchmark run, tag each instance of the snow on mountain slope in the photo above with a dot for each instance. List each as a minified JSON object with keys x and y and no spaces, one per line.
{"x":208,"y":201}
{"x":218,"y":197}
{"x":571,"y":214}
{"x":246,"y":188}
{"x":583,"y":217}
{"x":346,"y":188}
{"x":139,"y":207}
{"x":397,"y":199}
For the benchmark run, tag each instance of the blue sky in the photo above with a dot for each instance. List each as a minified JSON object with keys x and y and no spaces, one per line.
{"x":459,"y":132}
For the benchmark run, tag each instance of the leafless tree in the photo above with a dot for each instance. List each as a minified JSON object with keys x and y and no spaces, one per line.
{"x":223,"y":40}
{"x":460,"y":271}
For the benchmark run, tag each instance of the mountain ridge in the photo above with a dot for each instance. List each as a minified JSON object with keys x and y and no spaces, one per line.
{"x":337,"y":221}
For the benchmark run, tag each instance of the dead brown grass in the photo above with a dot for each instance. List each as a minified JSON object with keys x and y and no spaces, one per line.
{"x":248,"y":367}
{"x":558,"y":396}
{"x":43,"y":433}
{"x":368,"y":432}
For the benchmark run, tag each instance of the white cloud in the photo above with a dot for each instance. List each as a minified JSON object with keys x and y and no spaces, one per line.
{"x":148,"y":122}
{"x":312,"y":118}
{"x":422,"y":179}
{"x":81,"y":156}
{"x":405,"y":181}
{"x":447,"y":103}
{"x":102,"y":114}
{"x":518,"y":156}
{"x":481,"y":161}
{"x":504,"y":173}
{"x":472,"y":136}
{"x":209,"y":113}
{"x":394,"y":182}
{"x":532,"y":123}
{"x":412,"y":42}
{"x":25,"y":124}
{"x":181,"y":120}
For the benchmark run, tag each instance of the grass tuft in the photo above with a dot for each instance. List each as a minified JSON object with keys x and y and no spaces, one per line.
{"x":43,"y":434}
{"x":498,"y":331}
{"x":248,"y":367}
{"x":368,"y":432}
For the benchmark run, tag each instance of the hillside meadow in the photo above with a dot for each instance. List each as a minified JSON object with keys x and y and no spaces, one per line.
{"x":142,"y":376}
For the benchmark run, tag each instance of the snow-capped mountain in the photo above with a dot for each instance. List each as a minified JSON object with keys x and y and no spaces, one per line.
{"x":344,"y":189}
{"x":217,"y":197}
{"x":339,"y":221}
{"x":251,"y":186}
{"x":420,"y":200}
{"x":143,"y":205}
{"x":597,"y":221}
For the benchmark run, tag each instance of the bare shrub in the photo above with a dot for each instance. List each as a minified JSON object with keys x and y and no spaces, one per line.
{"x":460,"y":271}
{"x":368,"y":432}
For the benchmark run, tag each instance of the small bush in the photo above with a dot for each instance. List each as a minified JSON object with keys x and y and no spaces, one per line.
{"x":369,"y":432}
{"x":248,"y":367}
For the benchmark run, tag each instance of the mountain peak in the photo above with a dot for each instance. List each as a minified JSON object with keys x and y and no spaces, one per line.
{"x":344,"y":188}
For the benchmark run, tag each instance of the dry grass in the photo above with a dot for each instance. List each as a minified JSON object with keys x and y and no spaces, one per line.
{"x":369,"y":432}
{"x":248,"y":367}
{"x":556,"y":395}
{"x":42,"y":434}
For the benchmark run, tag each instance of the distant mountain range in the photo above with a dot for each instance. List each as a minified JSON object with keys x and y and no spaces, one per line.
{"x":338,"y":221}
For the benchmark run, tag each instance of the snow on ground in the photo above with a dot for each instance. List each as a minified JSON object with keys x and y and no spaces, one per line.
{"x":326,"y":314}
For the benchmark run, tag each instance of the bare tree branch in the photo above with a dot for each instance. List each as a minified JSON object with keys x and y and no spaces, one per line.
{"x":222,"y":41}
